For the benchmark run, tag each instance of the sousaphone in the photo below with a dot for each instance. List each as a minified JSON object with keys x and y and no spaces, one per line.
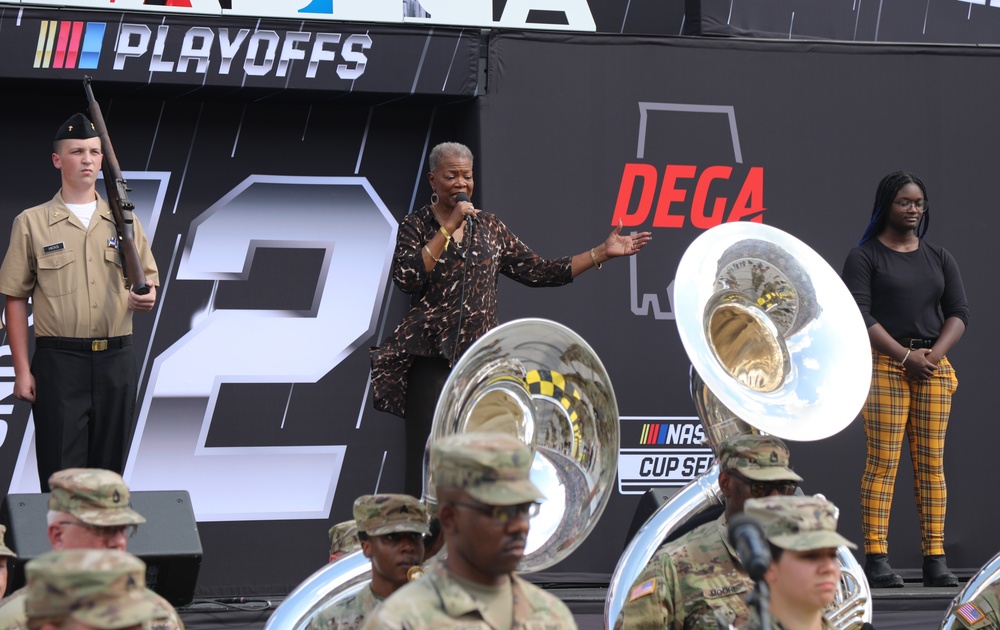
{"x":777,"y":345}
{"x":541,"y":382}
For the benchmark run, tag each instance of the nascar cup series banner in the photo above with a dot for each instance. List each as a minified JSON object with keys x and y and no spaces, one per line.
{"x":229,"y":54}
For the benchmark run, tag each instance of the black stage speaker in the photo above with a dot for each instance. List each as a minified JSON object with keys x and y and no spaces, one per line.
{"x":167,"y":542}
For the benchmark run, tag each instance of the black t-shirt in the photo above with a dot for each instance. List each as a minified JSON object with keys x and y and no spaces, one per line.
{"x":910,"y":294}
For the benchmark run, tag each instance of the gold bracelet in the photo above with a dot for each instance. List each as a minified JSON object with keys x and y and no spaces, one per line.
{"x":446,"y":236}
{"x":428,"y":250}
{"x":594,"y":258}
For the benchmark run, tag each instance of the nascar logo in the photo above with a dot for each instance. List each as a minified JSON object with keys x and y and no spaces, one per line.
{"x":69,"y":44}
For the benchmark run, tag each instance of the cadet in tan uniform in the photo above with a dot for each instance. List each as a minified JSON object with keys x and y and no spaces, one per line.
{"x":805,"y":571}
{"x":63,"y":255}
{"x":89,"y":590}
{"x":485,"y":499}
{"x":88,"y":509}
{"x":5,"y":553}
{"x":391,"y":528}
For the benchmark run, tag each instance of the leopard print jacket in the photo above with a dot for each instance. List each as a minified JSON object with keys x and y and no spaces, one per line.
{"x":438,"y":325}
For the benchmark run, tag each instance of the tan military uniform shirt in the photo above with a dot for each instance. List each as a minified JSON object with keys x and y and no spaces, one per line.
{"x":437,"y":601}
{"x":73,"y":275}
{"x":13,"y":617}
{"x":687,"y":582}
{"x":347,"y":614}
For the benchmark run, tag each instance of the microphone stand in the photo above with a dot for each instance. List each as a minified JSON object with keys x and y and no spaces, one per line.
{"x":760,"y":599}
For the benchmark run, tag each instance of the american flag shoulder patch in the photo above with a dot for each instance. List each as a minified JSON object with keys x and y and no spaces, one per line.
{"x":970,"y":612}
{"x":646,"y":588}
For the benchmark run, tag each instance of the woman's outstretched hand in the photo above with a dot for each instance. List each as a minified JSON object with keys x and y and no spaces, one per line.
{"x":618,"y":245}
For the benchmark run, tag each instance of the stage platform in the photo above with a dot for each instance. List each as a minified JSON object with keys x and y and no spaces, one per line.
{"x":912,"y":607}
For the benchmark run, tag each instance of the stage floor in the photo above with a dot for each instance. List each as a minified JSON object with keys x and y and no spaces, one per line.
{"x":912,"y":607}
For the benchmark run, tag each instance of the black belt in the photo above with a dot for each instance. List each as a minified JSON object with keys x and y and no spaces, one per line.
{"x":84,"y":345}
{"x":915,"y":344}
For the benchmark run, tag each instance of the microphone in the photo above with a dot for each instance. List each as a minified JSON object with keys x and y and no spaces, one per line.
{"x":746,"y":535}
{"x":464,"y":197}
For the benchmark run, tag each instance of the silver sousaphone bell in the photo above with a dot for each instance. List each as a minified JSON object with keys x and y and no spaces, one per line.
{"x":541,"y":382}
{"x":777,"y":345}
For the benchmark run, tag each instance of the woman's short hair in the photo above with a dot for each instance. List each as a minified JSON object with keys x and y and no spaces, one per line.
{"x":448,"y":149}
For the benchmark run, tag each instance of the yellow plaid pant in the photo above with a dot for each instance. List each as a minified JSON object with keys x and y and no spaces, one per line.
{"x":896,"y":405}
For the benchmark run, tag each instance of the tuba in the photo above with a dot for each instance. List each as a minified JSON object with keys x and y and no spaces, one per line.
{"x":541,"y":382}
{"x":987,"y":577}
{"x":777,"y":345}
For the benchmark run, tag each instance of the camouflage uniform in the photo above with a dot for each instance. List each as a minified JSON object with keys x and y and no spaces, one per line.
{"x":96,"y":497}
{"x":493,"y":469}
{"x":374,"y":515}
{"x":798,"y":523}
{"x":348,"y":614}
{"x":982,"y":613}
{"x":437,"y":601}
{"x":5,"y":553}
{"x":690,"y":579}
{"x":344,"y":537}
{"x":99,"y":588}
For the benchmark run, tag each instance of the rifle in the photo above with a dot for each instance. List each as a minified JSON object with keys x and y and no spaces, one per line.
{"x":121,"y":206}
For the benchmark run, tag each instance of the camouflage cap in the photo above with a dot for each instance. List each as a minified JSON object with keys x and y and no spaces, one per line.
{"x":76,"y":127}
{"x":95,"y":496}
{"x":759,"y":457}
{"x":797,"y":523}
{"x":380,"y":514}
{"x":344,"y":537}
{"x":102,"y":588}
{"x":492,"y":467}
{"x":4,"y":549}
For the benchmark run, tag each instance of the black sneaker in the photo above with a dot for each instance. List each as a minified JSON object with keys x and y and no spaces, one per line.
{"x":880,"y":574}
{"x":936,"y":572}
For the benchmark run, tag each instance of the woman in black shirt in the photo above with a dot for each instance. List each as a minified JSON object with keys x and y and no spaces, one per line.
{"x":913,"y":302}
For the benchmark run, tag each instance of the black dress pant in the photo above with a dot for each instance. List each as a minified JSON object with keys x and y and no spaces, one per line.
{"x":84,"y":404}
{"x":425,"y":381}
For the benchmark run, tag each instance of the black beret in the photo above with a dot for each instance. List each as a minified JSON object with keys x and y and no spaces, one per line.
{"x":78,"y":127}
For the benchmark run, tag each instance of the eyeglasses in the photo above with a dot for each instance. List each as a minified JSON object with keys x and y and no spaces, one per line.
{"x":760,"y":489}
{"x":106,"y":532}
{"x":502,"y":513}
{"x":906,"y":203}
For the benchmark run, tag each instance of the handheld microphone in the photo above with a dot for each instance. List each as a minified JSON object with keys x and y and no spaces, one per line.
{"x":746,"y":535}
{"x":464,"y":197}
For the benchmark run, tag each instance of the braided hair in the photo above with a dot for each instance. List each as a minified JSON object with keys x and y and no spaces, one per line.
{"x":888,"y":188}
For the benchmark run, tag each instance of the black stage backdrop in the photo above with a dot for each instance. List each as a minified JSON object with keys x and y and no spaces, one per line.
{"x":255,"y":370}
{"x":796,"y":135}
{"x":930,"y":21}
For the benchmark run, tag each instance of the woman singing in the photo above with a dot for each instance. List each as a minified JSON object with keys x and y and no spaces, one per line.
{"x":911,"y":295}
{"x":448,"y":257}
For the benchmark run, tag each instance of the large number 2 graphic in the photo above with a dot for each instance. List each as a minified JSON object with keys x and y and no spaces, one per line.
{"x":341,"y":215}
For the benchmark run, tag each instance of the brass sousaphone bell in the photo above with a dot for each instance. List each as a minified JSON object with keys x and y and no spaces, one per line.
{"x":541,"y":382}
{"x":777,"y":345}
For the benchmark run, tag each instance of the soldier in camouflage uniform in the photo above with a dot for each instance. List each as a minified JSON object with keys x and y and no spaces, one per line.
{"x":5,"y":553}
{"x":89,"y":589}
{"x":485,"y":499}
{"x":88,"y":509}
{"x":391,"y":528}
{"x":692,"y":579}
{"x":343,"y":539}
{"x":805,"y":571}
